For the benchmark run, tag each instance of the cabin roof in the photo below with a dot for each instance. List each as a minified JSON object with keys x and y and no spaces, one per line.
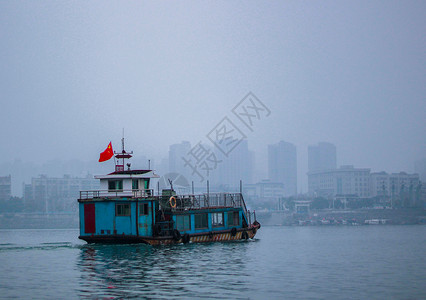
{"x":129,"y":174}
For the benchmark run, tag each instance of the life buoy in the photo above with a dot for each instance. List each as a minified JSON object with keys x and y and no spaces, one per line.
{"x":172,"y":202}
{"x":233,"y":231}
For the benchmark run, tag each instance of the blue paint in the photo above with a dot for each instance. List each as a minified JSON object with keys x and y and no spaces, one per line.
{"x":104,"y":215}
{"x":145,"y":221}
{"x":108,"y":223}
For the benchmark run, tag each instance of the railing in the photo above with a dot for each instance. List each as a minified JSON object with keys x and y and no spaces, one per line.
{"x":116,"y":194}
{"x":249,"y":214}
{"x":188,"y":202}
{"x":185,"y":202}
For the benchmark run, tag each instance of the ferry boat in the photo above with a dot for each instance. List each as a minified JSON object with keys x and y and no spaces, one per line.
{"x":127,"y":210}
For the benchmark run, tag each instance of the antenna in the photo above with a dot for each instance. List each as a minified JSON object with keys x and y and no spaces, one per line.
{"x":122,"y":142}
{"x":123,"y":155}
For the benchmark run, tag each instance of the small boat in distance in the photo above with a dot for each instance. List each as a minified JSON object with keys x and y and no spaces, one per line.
{"x":126,"y":210}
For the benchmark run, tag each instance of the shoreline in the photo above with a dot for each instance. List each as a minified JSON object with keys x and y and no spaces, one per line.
{"x":266,"y":218}
{"x":344,"y":217}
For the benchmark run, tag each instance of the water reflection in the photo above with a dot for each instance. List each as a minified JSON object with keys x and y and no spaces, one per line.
{"x":214,"y":270}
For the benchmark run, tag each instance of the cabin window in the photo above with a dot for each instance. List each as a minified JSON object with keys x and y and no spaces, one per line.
{"x":217,"y":219}
{"x":135,"y":184}
{"x":233,"y":218}
{"x":122,"y":210}
{"x":146,"y":184}
{"x":115,"y":185}
{"x":201,"y":221}
{"x":183,"y":223}
{"x":143,"y":209}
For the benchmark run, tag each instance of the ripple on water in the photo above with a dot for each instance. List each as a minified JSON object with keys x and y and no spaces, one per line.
{"x":283,"y":262}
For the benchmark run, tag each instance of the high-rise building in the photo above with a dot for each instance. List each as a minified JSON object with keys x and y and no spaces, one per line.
{"x":176,"y":153}
{"x":322,"y":157}
{"x":282,"y":166}
{"x":5,"y":188}
{"x":237,"y":166}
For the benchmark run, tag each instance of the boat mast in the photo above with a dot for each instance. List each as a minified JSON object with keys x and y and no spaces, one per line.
{"x":123,"y":155}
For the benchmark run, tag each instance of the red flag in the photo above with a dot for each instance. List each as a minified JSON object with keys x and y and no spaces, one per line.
{"x":107,"y":154}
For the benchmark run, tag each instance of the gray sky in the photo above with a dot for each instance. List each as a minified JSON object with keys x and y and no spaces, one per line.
{"x":73,"y":74}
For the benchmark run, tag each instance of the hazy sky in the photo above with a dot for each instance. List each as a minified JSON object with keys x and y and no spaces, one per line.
{"x":73,"y":74}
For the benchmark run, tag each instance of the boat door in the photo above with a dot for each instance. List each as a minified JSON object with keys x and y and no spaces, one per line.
{"x":89,"y":218}
{"x":145,"y":218}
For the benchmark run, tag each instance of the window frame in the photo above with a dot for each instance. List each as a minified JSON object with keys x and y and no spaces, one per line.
{"x":115,"y":185}
{"x":205,"y":216}
{"x":216,"y":217}
{"x":123,"y":213}
{"x":143,"y":209}
{"x":146,"y":184}
{"x":135,"y":184}
{"x":233,"y":216}
{"x":180,"y":225}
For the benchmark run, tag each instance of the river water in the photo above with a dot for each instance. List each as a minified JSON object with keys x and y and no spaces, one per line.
{"x":328,"y":262}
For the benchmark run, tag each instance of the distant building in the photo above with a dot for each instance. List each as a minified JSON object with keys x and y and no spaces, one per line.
{"x":56,"y":194}
{"x":282,"y":166}
{"x":265,"y":190}
{"x":350,"y":181}
{"x":403,"y":183}
{"x":422,"y":194}
{"x":28,"y":195}
{"x":176,"y":163}
{"x":396,"y":185}
{"x":5,"y":188}
{"x":237,"y":166}
{"x":322,"y":157}
{"x":163,"y":168}
{"x":379,"y":184}
{"x":346,"y":180}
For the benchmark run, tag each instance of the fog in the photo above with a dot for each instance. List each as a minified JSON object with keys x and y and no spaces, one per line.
{"x":74,"y":74}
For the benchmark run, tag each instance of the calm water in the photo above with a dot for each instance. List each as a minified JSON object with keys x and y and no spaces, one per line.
{"x":364,"y":262}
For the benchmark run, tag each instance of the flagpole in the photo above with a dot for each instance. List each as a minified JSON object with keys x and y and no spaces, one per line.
{"x":115,"y":163}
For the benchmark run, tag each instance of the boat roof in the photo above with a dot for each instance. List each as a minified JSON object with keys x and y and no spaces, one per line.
{"x":133,"y":172}
{"x":129,"y":174}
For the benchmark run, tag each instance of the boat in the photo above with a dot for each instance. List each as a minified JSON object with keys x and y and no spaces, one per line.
{"x":127,"y":210}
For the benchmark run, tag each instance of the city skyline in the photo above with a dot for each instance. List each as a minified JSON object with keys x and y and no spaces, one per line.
{"x":27,"y":170}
